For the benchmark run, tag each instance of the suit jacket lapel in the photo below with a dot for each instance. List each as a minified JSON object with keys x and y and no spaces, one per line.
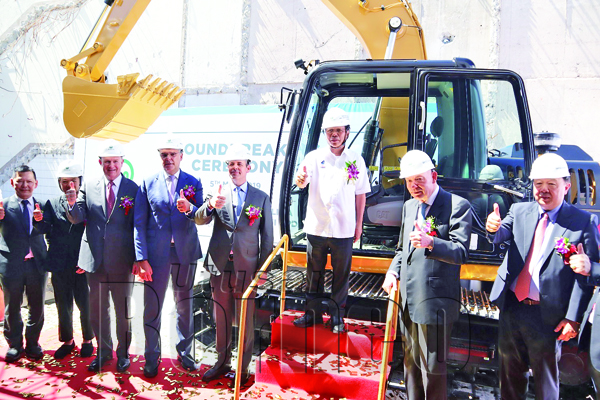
{"x":563,"y":220}
{"x":101,"y":192}
{"x":180,"y":184}
{"x":15,"y":204}
{"x":411,"y":214}
{"x":531,"y":219}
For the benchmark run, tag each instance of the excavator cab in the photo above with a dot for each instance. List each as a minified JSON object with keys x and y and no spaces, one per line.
{"x":462,"y":117}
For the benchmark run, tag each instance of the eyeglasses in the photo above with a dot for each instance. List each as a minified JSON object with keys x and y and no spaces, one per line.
{"x":165,"y":155}
{"x":337,"y":131}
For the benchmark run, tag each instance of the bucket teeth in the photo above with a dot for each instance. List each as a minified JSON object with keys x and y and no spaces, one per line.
{"x":157,"y":91}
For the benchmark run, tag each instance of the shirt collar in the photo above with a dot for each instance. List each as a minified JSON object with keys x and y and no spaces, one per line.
{"x":176,"y":174}
{"x":117,"y":180}
{"x":244,"y":187}
{"x":552,"y":214}
{"x":433,"y":196}
{"x":21,"y":200}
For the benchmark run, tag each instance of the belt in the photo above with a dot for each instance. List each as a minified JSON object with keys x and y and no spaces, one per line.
{"x":529,"y":302}
{"x":230,"y":256}
{"x":29,"y":259}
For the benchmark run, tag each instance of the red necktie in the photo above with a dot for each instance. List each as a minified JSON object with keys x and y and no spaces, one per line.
{"x":110,"y":198}
{"x":524,"y":279}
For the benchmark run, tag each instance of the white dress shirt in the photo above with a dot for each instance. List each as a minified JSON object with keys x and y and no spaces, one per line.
{"x":331,"y":210}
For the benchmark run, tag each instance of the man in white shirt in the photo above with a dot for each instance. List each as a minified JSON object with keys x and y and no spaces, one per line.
{"x":334,"y":216}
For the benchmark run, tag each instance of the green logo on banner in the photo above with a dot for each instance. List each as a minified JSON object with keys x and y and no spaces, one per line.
{"x":127,"y":169}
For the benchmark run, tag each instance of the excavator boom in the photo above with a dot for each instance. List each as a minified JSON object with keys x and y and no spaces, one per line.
{"x":371,"y":25}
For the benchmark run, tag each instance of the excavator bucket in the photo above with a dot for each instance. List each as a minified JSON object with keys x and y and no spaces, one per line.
{"x":121,"y":111}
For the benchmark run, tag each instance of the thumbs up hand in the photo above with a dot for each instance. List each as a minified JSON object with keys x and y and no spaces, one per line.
{"x":580,"y":262}
{"x":183,"y":205}
{"x":494,"y":220}
{"x":38,"y":215}
{"x":302,"y":178}
{"x":217,"y":201}
{"x":420,"y":239}
{"x":71,"y":194}
{"x":1,"y":210}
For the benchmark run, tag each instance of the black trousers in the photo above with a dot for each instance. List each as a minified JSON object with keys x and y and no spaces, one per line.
{"x":341,"y":261}
{"x":24,"y":278}
{"x":70,"y":286}
{"x":425,"y":354}
{"x":119,"y":287}
{"x":524,"y":341}
{"x":227,"y":290}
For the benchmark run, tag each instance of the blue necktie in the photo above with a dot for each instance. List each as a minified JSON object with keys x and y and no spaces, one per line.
{"x":26,"y":217}
{"x":240,"y":204}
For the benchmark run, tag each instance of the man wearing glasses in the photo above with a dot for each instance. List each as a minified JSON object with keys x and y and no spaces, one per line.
{"x":336,"y":203}
{"x":167,"y":244}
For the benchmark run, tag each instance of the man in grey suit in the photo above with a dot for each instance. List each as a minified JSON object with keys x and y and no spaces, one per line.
{"x":434,"y":242}
{"x":167,"y":244}
{"x":22,"y":254}
{"x":541,"y":300}
{"x":107,"y":251}
{"x":242,"y":240}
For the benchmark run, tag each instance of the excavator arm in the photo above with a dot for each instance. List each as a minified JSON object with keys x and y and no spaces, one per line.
{"x":371,"y":24}
{"x":121,"y":111}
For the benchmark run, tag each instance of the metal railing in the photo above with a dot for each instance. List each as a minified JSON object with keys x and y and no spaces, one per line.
{"x":244,"y":306}
{"x":391,"y":323}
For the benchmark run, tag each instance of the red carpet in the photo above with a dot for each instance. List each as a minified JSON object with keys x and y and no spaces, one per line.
{"x":316,"y":363}
{"x":70,"y":379}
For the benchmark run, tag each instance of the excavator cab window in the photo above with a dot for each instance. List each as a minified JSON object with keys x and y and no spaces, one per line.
{"x":378,"y":105}
{"x":475,"y":128}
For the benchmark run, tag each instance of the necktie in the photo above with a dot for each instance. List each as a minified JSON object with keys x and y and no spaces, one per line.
{"x":26,"y":217}
{"x":240,"y":204}
{"x":423,"y":212}
{"x":110,"y":198}
{"x":171,"y":188}
{"x":524,"y":279}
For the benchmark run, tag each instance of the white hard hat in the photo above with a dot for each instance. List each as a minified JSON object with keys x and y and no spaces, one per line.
{"x":549,"y":166}
{"x":69,"y":169}
{"x":170,"y":142}
{"x":335,"y":117}
{"x":111,"y":148}
{"x":415,"y":162}
{"x":237,"y":152}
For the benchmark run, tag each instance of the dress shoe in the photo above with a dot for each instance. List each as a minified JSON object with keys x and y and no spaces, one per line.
{"x":64,"y":351}
{"x":151,"y":369}
{"x":216,"y":372}
{"x":34,"y":352}
{"x":308,"y":320}
{"x":87,"y":349}
{"x":245,"y":378}
{"x":123,"y":364}
{"x":188,"y":363}
{"x":337,"y":324}
{"x":13,"y":354}
{"x":98,"y":362}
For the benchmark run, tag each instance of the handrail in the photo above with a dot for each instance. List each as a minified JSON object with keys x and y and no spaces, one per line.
{"x":390,"y":336}
{"x":244,"y":308}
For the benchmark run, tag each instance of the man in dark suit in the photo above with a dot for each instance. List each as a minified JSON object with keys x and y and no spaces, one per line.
{"x":434,"y":242}
{"x":167,"y":244}
{"x":242,"y":240}
{"x":22,"y":254}
{"x":64,"y":241}
{"x":540,"y":300}
{"x":589,"y":336}
{"x":107,"y":251}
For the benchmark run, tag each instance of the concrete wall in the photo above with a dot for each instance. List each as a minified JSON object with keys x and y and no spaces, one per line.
{"x":242,"y":52}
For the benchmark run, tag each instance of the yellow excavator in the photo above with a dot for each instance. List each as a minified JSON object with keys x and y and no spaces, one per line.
{"x":474,"y":124}
{"x":121,"y":111}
